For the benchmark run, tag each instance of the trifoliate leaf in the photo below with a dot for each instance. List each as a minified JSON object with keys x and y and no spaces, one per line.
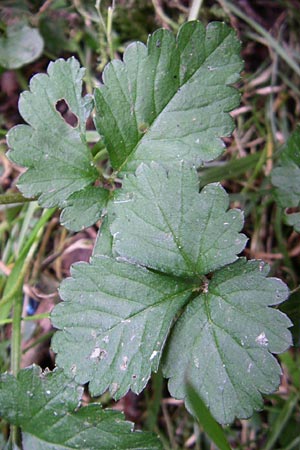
{"x":83,"y":207}
{"x":164,"y":223}
{"x":114,"y":321}
{"x":20,"y":45}
{"x":169,"y":101}
{"x":57,"y":157}
{"x":46,"y":407}
{"x":285,"y":177}
{"x":224,"y":339}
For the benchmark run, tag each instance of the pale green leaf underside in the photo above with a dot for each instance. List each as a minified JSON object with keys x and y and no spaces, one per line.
{"x":169,"y":101}
{"x":55,"y":154}
{"x":164,"y":223}
{"x":113,"y":323}
{"x":229,"y":332}
{"x":45,"y":406}
{"x":21,"y":45}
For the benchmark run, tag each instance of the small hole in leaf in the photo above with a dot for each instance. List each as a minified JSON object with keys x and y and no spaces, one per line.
{"x":63,"y":108}
{"x":292,"y":210}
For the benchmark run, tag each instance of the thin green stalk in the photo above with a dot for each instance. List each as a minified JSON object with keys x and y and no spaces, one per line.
{"x":273,"y":43}
{"x":195,"y":9}
{"x":26,"y":225}
{"x":232,"y":169}
{"x":27,"y":318}
{"x":293,"y":445}
{"x":15,"y":280}
{"x":282,"y":419}
{"x":153,"y":404}
{"x":16,"y":338}
{"x":21,"y":80}
{"x":42,"y":338}
{"x":7,"y":199}
{"x":257,"y":169}
{"x":110,"y":12}
{"x":281,"y":242}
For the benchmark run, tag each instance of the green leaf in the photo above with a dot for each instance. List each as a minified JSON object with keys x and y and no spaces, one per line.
{"x":103,"y":244}
{"x":285,"y":177}
{"x":19,"y":46}
{"x":293,"y":219}
{"x":230,"y":332}
{"x":164,"y":223}
{"x":57,"y":157}
{"x":207,"y":422}
{"x":46,"y":407}
{"x":114,"y":322}
{"x":169,"y":101}
{"x":84,"y":207}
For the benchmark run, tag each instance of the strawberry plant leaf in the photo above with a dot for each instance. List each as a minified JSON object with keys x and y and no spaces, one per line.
{"x":46,"y":407}
{"x":285,"y":177}
{"x":164,"y":223}
{"x":20,"y":45}
{"x":104,"y":242}
{"x":293,"y":219}
{"x":169,"y":100}
{"x":58,"y":159}
{"x":113,"y":323}
{"x":230,"y":332}
{"x":83,"y":207}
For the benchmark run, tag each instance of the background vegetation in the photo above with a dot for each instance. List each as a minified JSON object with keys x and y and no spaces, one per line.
{"x":269,"y":112}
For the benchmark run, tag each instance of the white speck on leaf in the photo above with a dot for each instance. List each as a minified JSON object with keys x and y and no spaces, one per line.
{"x":153,"y":355}
{"x":262,"y":339}
{"x":250,"y":367}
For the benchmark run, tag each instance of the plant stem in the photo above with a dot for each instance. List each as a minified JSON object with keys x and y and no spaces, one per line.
{"x":281,"y":243}
{"x":110,"y":12}
{"x":7,"y":199}
{"x":195,"y":9}
{"x":16,"y":332}
{"x":27,"y":318}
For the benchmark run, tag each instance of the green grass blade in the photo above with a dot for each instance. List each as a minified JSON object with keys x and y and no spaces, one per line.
{"x":281,"y":421}
{"x":208,"y":423}
{"x":273,"y":43}
{"x":16,"y":277}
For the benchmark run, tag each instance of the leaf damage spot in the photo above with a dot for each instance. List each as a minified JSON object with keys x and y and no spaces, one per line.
{"x":124,"y":364}
{"x":68,"y":116}
{"x":98,"y":353}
